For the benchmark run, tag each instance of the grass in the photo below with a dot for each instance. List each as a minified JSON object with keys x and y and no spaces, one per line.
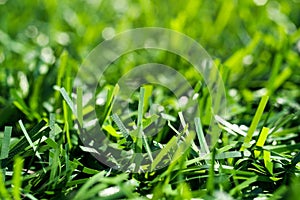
{"x":43,"y":118}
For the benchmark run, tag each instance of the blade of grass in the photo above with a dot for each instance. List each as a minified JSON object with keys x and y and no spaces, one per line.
{"x":67,"y":114}
{"x":55,"y":166}
{"x":211,"y":173}
{"x":61,"y":72}
{"x":79,"y":106}
{"x":81,"y":194}
{"x":67,"y":118}
{"x":51,"y":134}
{"x":282,"y":77}
{"x":243,"y":185}
{"x":183,"y":123}
{"x":20,"y":104}
{"x":275,"y":69}
{"x":232,"y":127}
{"x":282,"y":148}
{"x":141,"y":139}
{"x":261,"y":140}
{"x":68,"y":100}
{"x":109,"y":102}
{"x":148,"y":93}
{"x":28,"y":139}
{"x":267,"y":161}
{"x":223,"y":16}
{"x":4,"y":194}
{"x":17,"y":178}
{"x":120,"y":125}
{"x":35,"y":133}
{"x":200,"y":134}
{"x":6,"y":142}
{"x":163,"y":152}
{"x":5,"y":147}
{"x":255,"y":121}
{"x":52,"y":126}
{"x":30,"y":142}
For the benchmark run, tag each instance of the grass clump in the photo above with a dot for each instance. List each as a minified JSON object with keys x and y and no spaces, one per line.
{"x":254,"y":44}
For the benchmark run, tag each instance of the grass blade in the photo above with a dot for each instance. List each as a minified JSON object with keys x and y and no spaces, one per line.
{"x":17,"y":178}
{"x":267,"y":161}
{"x":6,"y":142}
{"x":183,"y":123}
{"x":255,"y":121}
{"x":79,"y":106}
{"x":120,"y":125}
{"x":201,"y":138}
{"x":141,"y":134}
{"x":61,"y":72}
{"x":67,"y":99}
{"x":163,"y":152}
{"x":31,"y":143}
{"x":243,"y":185}
{"x":4,"y":194}
{"x":81,"y":194}
{"x":261,"y":140}
{"x":28,"y":139}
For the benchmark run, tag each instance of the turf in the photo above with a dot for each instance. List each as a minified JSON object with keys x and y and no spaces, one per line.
{"x":255,"y":46}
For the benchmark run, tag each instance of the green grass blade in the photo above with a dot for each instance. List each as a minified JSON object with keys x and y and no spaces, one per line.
{"x":243,"y":185}
{"x":275,"y":69}
{"x":261,"y":140}
{"x":61,"y":71}
{"x":17,"y":178}
{"x":68,"y":100}
{"x":6,"y":142}
{"x":268,"y":162}
{"x":67,"y":114}
{"x":29,"y":139}
{"x":120,"y":125}
{"x":141,"y":139}
{"x":55,"y":165}
{"x":282,"y":77}
{"x":52,"y":126}
{"x":163,"y":152}
{"x":109,"y":102}
{"x":141,"y":107}
{"x":183,"y":123}
{"x":79,"y":106}
{"x":148,"y":93}
{"x":51,"y":134}
{"x":223,"y":16}
{"x":67,"y":118}
{"x":255,"y":121}
{"x":31,"y":143}
{"x":200,"y":134}
{"x":211,"y":174}
{"x":4,"y":194}
{"x":35,"y":133}
{"x":81,"y":194}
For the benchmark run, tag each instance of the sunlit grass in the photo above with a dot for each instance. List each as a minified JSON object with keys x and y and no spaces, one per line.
{"x":256,"y":48}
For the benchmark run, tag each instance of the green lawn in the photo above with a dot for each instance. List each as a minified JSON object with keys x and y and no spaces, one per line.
{"x":151,"y":126}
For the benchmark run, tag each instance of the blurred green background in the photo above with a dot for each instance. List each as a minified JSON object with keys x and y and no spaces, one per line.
{"x":252,"y":39}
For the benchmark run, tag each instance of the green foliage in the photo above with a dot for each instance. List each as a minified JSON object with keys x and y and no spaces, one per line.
{"x":256,"y":49}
